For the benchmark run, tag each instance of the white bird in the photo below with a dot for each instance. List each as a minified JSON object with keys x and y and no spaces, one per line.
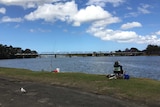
{"x":23,"y":90}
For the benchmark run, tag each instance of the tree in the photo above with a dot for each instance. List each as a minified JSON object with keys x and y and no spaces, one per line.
{"x":34,"y":52}
{"x":9,"y":52}
{"x":134,"y":49}
{"x":153,"y":50}
{"x":127,"y":50}
{"x":27,"y":51}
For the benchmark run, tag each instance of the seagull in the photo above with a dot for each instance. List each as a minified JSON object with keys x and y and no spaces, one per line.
{"x":23,"y":90}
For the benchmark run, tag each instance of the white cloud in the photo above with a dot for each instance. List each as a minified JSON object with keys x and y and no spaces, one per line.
{"x":144,"y":8}
{"x":68,"y":12}
{"x":105,"y":22}
{"x":131,"y":14}
{"x":39,"y":30}
{"x":131,"y":25}
{"x":2,"y":10}
{"x":158,"y":33}
{"x":141,"y":9}
{"x":148,"y":39}
{"x":102,"y":3}
{"x":92,"y":13}
{"x":122,"y":36}
{"x":8,"y":19}
{"x":109,"y":34}
{"x":27,"y":3}
{"x":53,"y":12}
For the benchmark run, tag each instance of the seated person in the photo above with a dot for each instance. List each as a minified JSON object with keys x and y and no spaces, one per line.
{"x":118,"y":68}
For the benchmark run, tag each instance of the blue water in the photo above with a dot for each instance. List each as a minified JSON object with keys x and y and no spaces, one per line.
{"x":135,"y":66}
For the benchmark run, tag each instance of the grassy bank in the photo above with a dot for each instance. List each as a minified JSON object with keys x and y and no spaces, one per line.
{"x":137,"y":89}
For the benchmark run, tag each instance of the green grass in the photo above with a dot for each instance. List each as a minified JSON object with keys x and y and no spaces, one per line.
{"x":138,"y":89}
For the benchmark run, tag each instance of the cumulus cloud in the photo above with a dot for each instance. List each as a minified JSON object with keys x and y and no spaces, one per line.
{"x":6,"y":19}
{"x":27,"y":3}
{"x":122,"y":36}
{"x":2,"y":10}
{"x":109,"y":34}
{"x":53,"y":12}
{"x":92,"y":13}
{"x":102,"y":3}
{"x":131,"y":25}
{"x":69,"y":12}
{"x":148,"y":39}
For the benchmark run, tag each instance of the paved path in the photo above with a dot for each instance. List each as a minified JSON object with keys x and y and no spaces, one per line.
{"x":42,"y":95}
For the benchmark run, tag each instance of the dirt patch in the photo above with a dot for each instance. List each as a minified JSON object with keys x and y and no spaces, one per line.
{"x":45,"y":95}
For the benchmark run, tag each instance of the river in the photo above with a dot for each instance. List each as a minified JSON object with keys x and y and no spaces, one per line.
{"x":135,"y":66}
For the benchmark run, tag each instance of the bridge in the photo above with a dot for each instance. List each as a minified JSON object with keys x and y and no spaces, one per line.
{"x":85,"y":54}
{"x":72,"y":54}
{"x":81,"y":54}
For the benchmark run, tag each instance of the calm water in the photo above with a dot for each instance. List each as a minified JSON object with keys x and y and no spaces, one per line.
{"x":138,"y":66}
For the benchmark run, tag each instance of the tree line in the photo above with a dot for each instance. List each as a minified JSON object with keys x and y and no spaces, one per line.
{"x":150,"y":50}
{"x":153,"y":50}
{"x":9,"y":52}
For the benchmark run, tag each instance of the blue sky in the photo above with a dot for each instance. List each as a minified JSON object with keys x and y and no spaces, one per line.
{"x":79,"y":25}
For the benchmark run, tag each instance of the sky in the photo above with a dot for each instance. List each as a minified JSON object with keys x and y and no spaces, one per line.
{"x":79,"y":25}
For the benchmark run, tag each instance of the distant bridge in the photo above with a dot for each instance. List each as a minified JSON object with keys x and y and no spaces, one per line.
{"x":66,"y":54}
{"x":93,"y":54}
{"x":71,"y":54}
{"x":82,"y":54}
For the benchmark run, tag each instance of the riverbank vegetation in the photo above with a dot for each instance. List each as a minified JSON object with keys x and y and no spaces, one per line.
{"x":149,"y":51}
{"x":135,"y":89}
{"x":10,"y":52}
